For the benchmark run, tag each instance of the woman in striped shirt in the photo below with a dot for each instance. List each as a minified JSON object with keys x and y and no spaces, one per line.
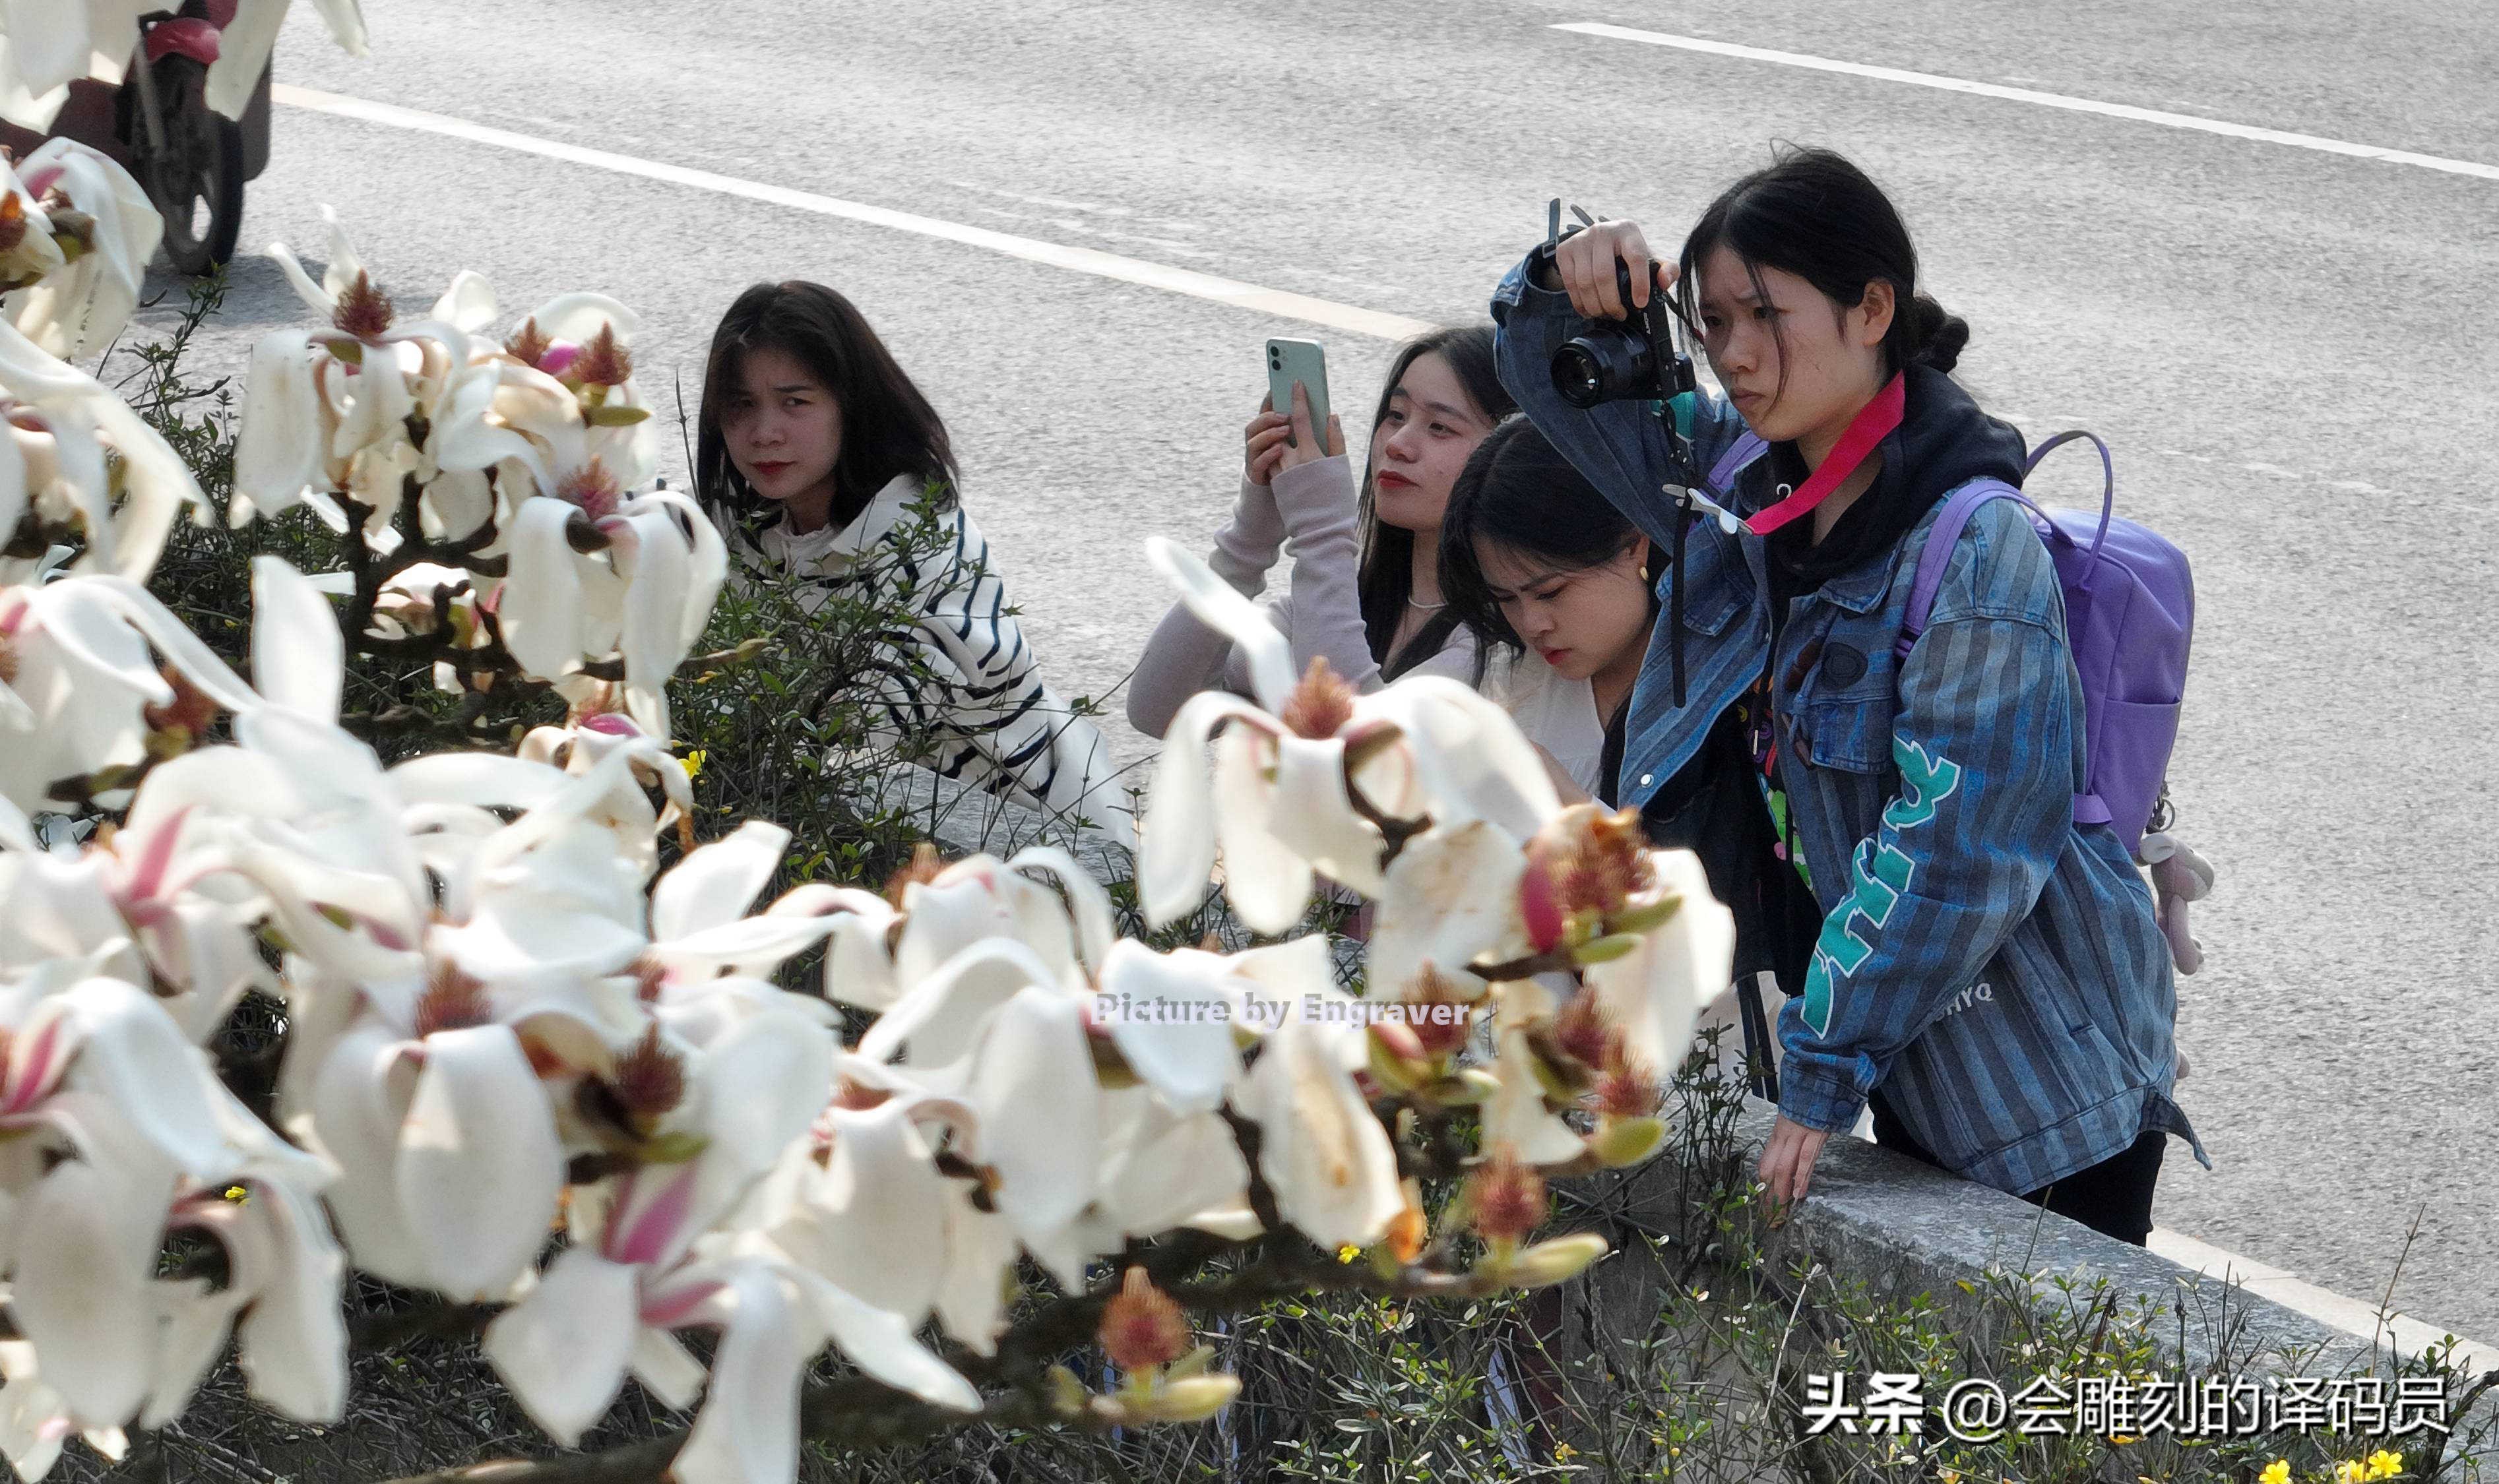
{"x":813,"y":450}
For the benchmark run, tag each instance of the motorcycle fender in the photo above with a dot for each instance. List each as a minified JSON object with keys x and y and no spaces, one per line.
{"x":183,"y":35}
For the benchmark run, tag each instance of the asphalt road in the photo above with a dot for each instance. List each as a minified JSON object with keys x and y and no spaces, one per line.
{"x":2288,"y":349}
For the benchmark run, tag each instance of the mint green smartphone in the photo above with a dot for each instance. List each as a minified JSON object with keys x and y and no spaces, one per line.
{"x":1305,"y":362}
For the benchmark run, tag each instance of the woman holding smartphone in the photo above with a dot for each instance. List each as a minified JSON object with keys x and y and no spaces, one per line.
{"x":1987,"y":973}
{"x":813,"y":448}
{"x":1365,"y":590}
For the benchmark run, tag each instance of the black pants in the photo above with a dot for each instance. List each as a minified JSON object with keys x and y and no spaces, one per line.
{"x":2113,"y":1197}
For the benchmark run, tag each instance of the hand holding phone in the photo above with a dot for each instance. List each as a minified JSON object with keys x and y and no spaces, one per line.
{"x":1305,"y":445}
{"x":1262,"y":442}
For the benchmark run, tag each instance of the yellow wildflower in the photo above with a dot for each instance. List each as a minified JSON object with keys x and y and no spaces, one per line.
{"x":2383,"y":1465}
{"x":1563,"y":1453}
{"x":2350,"y":1472}
{"x":1348,"y":1253}
{"x":693,"y":762}
{"x":2276,"y":1473}
{"x":237,"y":1194}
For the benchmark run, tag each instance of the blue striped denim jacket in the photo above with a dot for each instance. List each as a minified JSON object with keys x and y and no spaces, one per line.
{"x":1993,"y":966}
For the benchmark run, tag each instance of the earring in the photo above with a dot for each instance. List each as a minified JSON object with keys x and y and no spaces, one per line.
{"x":1643,"y":571}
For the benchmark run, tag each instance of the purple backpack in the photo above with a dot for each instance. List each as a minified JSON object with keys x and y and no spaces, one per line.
{"x":2129,"y":616}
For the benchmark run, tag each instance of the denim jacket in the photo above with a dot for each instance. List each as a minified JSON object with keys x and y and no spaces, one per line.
{"x":1993,"y":966}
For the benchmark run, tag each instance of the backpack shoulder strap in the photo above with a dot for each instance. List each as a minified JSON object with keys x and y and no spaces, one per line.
{"x":1743,"y":451}
{"x":1958,"y":507}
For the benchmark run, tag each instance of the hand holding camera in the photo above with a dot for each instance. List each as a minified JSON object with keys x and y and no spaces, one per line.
{"x":1609,"y":275}
{"x":1586,"y":262}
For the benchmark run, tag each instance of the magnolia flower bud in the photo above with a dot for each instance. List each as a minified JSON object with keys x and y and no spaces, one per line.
{"x":1191,"y":1399}
{"x":1438,"y":1032}
{"x":1506,"y":1197}
{"x":1647,"y":917}
{"x":1465,"y":1090}
{"x":1067,"y":1394}
{"x":1141,"y":1327}
{"x":1320,"y":704}
{"x":1600,"y":950}
{"x":1407,"y":1234}
{"x":1621,"y":1141}
{"x":1396,"y":1068}
{"x":1555,"y":1260}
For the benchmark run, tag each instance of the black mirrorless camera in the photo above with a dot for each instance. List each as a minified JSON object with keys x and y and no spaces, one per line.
{"x":1635,"y":360}
{"x":1621,"y":361}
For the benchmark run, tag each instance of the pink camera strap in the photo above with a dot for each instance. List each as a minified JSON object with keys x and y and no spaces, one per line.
{"x":1871,"y":425}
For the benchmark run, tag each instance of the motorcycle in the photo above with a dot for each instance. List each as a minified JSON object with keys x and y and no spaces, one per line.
{"x":156,"y":123}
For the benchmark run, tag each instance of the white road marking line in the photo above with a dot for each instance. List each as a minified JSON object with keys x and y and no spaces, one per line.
{"x":2047,"y":99}
{"x":1082,"y":260}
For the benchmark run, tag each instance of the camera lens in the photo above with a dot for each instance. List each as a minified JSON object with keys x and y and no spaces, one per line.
{"x":1578,"y":376}
{"x":1607,"y":364}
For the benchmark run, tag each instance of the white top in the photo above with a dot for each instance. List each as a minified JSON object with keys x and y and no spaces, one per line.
{"x":1556,"y":713}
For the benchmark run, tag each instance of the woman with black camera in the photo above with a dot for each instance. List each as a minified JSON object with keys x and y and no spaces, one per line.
{"x":1365,"y":593}
{"x":1963,"y":954}
{"x":814,"y":449}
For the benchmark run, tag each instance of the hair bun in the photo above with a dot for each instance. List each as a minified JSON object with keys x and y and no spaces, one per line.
{"x":1938,"y":335}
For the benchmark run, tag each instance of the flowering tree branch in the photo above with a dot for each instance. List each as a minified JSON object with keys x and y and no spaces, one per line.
{"x":501,"y":1018}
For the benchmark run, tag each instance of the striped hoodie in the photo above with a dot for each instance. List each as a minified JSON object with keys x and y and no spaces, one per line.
{"x":988,"y":718}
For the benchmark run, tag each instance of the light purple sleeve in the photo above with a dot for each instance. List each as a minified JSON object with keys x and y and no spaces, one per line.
{"x":1321,"y":616}
{"x":1183,"y":655}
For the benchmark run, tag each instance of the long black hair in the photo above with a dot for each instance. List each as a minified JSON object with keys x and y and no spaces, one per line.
{"x":1387,"y":580}
{"x":1518,"y":493}
{"x":888,"y":427}
{"x":1813,"y":213}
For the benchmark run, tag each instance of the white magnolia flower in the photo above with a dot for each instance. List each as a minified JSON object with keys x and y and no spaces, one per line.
{"x":859,"y":1201}
{"x":1302,"y":782}
{"x":137,"y":905}
{"x":602,"y":1312}
{"x":80,"y":306}
{"x":36,"y":1420}
{"x":73,"y":455}
{"x":281,"y":1299}
{"x":1322,"y":1151}
{"x":1655,"y":993}
{"x":649,"y":1256}
{"x":109,"y":1106}
{"x":28,"y":252}
{"x":78,"y":679}
{"x":335,"y":411}
{"x":646,"y":596}
{"x":451,"y":1167}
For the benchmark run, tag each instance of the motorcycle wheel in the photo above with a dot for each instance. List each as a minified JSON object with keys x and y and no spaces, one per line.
{"x":197,"y":182}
